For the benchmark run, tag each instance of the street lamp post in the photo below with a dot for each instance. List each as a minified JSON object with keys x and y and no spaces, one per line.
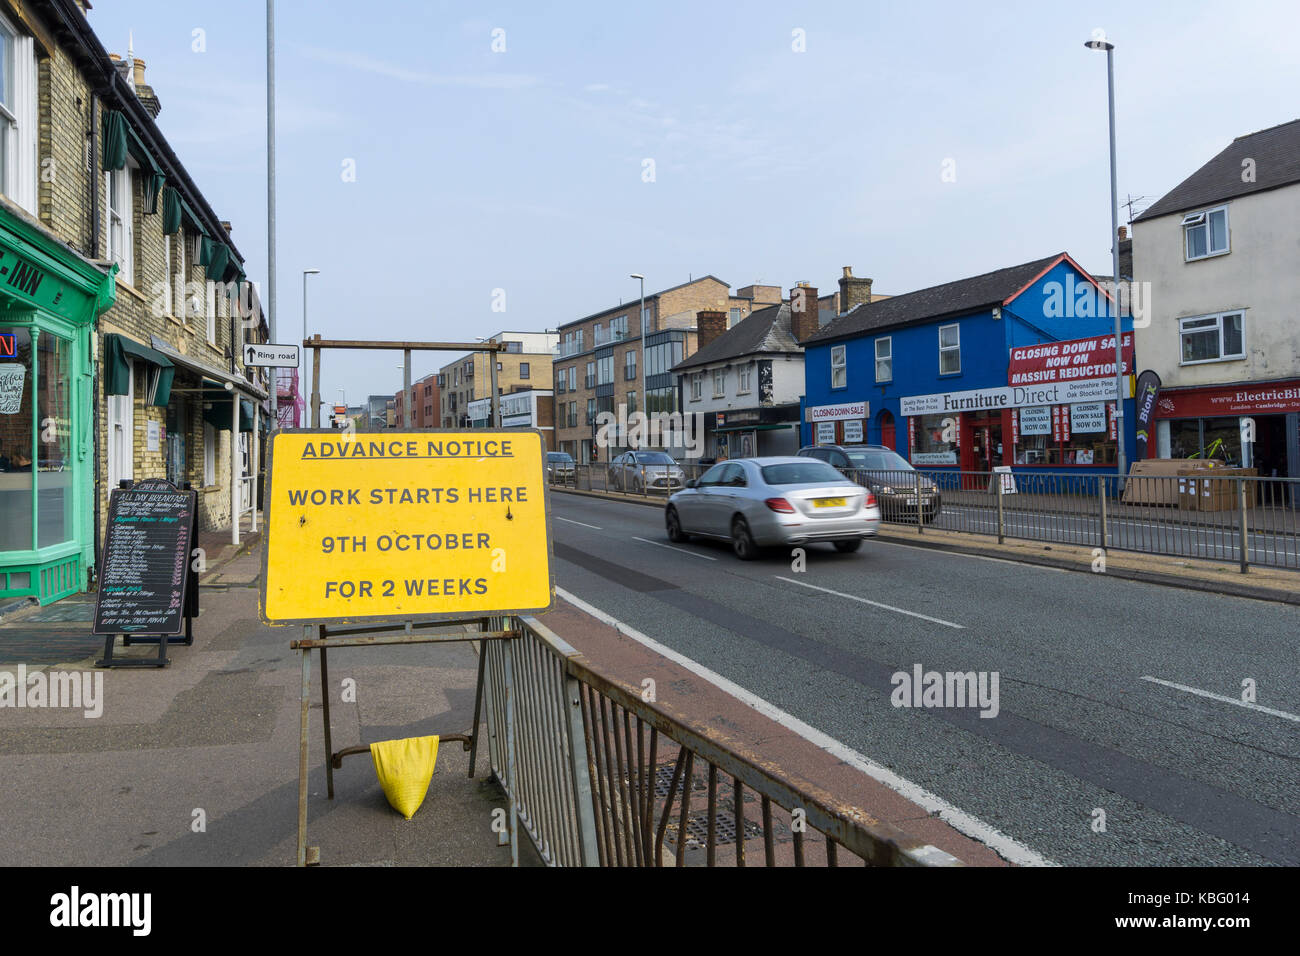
{"x":303,"y":354}
{"x":645,"y":397}
{"x":1101,"y":43}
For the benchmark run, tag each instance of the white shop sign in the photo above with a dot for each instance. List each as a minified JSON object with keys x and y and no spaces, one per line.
{"x":1036,"y":420}
{"x":1089,"y":418}
{"x":836,"y":413}
{"x":1010,"y":396}
{"x":853,"y":432}
{"x":826,"y":433}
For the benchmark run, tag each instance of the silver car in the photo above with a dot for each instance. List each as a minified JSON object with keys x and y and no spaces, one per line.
{"x":642,"y":471}
{"x":756,"y":502}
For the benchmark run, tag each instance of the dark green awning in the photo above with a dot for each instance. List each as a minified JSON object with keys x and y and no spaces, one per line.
{"x":115,"y":140}
{"x":117,"y":350}
{"x":171,"y":220}
{"x":217,"y":409}
{"x":217,"y":260}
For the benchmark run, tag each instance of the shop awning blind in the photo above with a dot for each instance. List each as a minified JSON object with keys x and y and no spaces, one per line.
{"x":216,"y":409}
{"x":118,"y":350}
{"x":114,"y":132}
{"x":171,"y":220}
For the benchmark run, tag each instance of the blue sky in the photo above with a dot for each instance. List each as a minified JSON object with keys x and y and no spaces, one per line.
{"x":522,"y":170}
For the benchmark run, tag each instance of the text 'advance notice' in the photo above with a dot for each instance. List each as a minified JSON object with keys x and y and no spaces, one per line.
{"x":417,"y":525}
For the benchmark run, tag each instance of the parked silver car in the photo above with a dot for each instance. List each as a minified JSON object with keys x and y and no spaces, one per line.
{"x":641,"y":471}
{"x":756,"y":502}
{"x":559,"y":466}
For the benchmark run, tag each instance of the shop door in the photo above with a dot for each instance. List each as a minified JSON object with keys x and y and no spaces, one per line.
{"x":1269,"y":454}
{"x":887,"y":430}
{"x":981,"y":447}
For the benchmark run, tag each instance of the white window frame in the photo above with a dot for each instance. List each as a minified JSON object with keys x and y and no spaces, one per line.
{"x":1218,"y":328}
{"x":169,"y":305}
{"x":839,"y":366}
{"x":950,"y":348}
{"x":210,"y":308}
{"x":697,"y":386}
{"x":209,"y":455}
{"x":121,"y":431}
{"x":121,"y":246}
{"x":719,"y":382}
{"x":1201,"y":221}
{"x":744,"y":378}
{"x":888,"y":356}
{"x":19,"y":149}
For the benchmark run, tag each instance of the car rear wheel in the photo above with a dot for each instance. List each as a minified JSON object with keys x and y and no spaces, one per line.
{"x":845,"y":547}
{"x":742,"y":542}
{"x":674,"y":523}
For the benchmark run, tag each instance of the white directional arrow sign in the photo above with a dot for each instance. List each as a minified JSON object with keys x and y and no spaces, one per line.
{"x":264,"y":355}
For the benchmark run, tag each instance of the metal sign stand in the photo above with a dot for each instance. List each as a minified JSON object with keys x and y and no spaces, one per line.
{"x":489,"y":629}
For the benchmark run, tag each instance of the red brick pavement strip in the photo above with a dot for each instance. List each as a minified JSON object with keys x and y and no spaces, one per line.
{"x":709,"y":709}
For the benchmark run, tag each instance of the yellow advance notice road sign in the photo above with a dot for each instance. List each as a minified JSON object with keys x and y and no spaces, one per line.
{"x":404,"y":524}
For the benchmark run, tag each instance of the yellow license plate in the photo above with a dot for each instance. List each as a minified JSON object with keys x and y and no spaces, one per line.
{"x":828,"y":502}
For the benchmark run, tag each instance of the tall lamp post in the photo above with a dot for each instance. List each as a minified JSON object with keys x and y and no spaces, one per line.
{"x":645,"y":398}
{"x":1101,"y":43}
{"x":306,"y":408}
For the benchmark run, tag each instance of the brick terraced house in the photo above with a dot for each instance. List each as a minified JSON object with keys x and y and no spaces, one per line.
{"x":123,"y":304}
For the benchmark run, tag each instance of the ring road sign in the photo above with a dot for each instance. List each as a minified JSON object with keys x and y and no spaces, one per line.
{"x":266,"y":355}
{"x":404,"y":524}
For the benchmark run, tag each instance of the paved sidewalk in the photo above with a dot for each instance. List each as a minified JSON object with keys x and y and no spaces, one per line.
{"x":213,"y":738}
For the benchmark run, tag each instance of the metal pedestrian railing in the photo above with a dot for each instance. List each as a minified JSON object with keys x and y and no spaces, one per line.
{"x":1243,"y":519}
{"x":1214,"y":514}
{"x":603,"y":777}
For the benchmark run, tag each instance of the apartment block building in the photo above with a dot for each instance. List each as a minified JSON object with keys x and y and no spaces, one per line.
{"x":597,"y":364}
{"x":425,"y":402}
{"x":125,"y":304}
{"x":526,"y":408}
{"x":526,"y":363}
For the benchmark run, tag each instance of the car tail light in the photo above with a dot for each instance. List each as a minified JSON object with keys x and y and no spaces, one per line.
{"x":781,"y":505}
{"x":871,"y":501}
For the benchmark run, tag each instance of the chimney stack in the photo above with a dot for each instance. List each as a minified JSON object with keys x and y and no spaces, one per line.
{"x":709,"y":324}
{"x":854,"y":291}
{"x":804,"y":311}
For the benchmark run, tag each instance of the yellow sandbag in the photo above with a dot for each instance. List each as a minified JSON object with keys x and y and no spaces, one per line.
{"x":405,"y":768}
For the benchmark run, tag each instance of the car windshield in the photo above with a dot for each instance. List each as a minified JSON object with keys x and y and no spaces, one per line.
{"x":654,"y":458}
{"x":802,"y":473}
{"x":558,"y":456}
{"x":878,"y":460}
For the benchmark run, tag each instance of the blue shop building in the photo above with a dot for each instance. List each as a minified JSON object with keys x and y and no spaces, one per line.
{"x":1015,"y":367}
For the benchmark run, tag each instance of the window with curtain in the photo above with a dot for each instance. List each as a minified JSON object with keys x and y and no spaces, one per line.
{"x":121,"y":219}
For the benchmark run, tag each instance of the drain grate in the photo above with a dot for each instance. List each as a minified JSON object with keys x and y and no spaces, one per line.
{"x":664,"y":782}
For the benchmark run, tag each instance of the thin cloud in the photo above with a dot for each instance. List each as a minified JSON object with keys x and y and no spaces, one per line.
{"x":367,"y":64}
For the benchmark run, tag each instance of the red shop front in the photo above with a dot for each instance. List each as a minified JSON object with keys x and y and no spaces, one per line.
{"x":1253,"y":426}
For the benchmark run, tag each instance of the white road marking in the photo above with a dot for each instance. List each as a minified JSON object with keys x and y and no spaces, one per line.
{"x":887,"y":607}
{"x":1007,"y":847}
{"x":1227,"y":700}
{"x":660,"y":544}
{"x":583,"y":523}
{"x":959,"y":554}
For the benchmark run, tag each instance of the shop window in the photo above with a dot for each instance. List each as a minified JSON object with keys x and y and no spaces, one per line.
{"x":1212,"y":338}
{"x":54,"y":483}
{"x":949,"y":349}
{"x":16,"y":439}
{"x":839,"y":367}
{"x":18,"y":117}
{"x":1065,"y":434}
{"x":936,"y":440}
{"x":885,"y":359}
{"x":1206,"y":233}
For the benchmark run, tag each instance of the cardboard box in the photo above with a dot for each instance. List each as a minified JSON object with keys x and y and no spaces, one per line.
{"x":1214,"y":489}
{"x":1154,"y":481}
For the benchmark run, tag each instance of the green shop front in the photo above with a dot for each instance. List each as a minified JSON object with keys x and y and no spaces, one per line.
{"x":49,"y":299}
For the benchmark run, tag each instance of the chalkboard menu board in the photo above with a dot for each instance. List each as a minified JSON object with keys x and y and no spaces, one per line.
{"x":145,"y":567}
